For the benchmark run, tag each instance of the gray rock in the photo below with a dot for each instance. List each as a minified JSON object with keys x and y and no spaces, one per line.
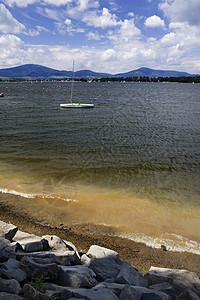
{"x":57,"y":292}
{"x":129,"y":275}
{"x":10,"y":286}
{"x":114,"y":287}
{"x":178,"y":279}
{"x":105,"y":268}
{"x":77,"y":277}
{"x":96,"y":293}
{"x":37,"y":246}
{"x":158,"y":275}
{"x":57,"y":243}
{"x":130,"y":293}
{"x":188,"y":294}
{"x":166,"y":288}
{"x":149,"y":294}
{"x":32,"y":294}
{"x":12,"y":270}
{"x":101,"y":252}
{"x":6,"y":252}
{"x":65,"y":258}
{"x":7,"y":231}
{"x":33,"y":269}
{"x":8,"y":296}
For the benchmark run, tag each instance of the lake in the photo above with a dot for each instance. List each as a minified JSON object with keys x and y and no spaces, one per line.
{"x":128,"y":167}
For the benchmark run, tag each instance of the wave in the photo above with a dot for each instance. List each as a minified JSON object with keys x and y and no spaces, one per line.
{"x":172,"y":242}
{"x":32,"y":196}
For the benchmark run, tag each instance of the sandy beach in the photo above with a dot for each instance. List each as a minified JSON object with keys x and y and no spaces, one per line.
{"x":139,"y":255}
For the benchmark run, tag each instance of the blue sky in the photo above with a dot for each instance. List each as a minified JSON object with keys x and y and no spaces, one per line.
{"x":105,"y":36}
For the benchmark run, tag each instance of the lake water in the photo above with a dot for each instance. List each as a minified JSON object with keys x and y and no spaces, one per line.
{"x":129,"y":167}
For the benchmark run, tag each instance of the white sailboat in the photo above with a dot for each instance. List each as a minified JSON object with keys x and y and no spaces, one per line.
{"x":71,"y":104}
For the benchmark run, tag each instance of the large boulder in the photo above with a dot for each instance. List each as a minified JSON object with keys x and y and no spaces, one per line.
{"x":66,"y":258}
{"x":10,"y":286}
{"x":178,"y":279}
{"x":8,"y":296}
{"x":57,"y":243}
{"x":95,"y":293}
{"x":32,"y":268}
{"x":104,"y":262}
{"x":76,"y":276}
{"x":32,"y":294}
{"x":131,"y":276}
{"x":105,"y":268}
{"x":12,"y":270}
{"x":6,"y":252}
{"x":7,"y":231}
{"x":57,"y":292}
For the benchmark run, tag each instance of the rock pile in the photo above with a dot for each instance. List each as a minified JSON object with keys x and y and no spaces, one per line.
{"x":47,"y":267}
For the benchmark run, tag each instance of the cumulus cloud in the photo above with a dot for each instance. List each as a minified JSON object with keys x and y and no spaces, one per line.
{"x":103,"y":20}
{"x":126,"y":33}
{"x":8,"y":23}
{"x":154,"y":21}
{"x":182,"y":11}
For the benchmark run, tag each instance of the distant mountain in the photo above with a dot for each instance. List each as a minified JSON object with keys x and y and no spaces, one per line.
{"x":38,"y":71}
{"x":152,"y":73}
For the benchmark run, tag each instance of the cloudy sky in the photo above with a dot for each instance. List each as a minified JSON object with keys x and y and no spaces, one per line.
{"x":101,"y":35}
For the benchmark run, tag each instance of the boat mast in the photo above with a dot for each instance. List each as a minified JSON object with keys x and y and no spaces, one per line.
{"x":72,"y":85}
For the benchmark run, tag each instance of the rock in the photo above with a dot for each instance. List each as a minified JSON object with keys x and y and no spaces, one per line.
{"x":129,"y":275}
{"x":7,"y":231}
{"x":36,"y":246}
{"x":166,"y":288}
{"x":85,"y":260}
{"x":158,"y":275}
{"x":178,"y":279}
{"x":6,"y":252}
{"x":33,"y":269}
{"x":11,"y":270}
{"x":65,"y":258}
{"x":114,"y":287}
{"x":130,"y":293}
{"x":105,"y":268}
{"x":32,"y":294}
{"x":57,"y":243}
{"x":148,"y":294}
{"x":57,"y":292}
{"x":77,"y":277}
{"x":8,"y":296}
{"x":95,"y":293}
{"x":24,"y":238}
{"x":188,"y":294}
{"x":101,"y":252}
{"x":10,"y":286}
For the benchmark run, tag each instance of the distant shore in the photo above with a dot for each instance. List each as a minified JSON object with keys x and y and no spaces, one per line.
{"x":139,"y":255}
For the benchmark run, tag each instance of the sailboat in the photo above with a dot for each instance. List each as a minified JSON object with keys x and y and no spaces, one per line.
{"x":72,"y":104}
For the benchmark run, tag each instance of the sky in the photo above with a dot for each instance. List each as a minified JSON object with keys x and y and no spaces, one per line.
{"x":110,"y":36}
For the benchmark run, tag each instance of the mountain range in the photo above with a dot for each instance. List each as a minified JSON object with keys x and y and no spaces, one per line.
{"x":37,"y":71}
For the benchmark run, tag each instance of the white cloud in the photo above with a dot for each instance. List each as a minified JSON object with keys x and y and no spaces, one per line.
{"x":105,"y":19}
{"x":93,"y":36}
{"x":37,"y":31}
{"x":154,"y":21}
{"x":25,"y":3}
{"x":9,"y":24}
{"x":127,"y":33}
{"x":182,"y":10}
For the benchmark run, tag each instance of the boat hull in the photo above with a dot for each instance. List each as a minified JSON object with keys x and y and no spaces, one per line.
{"x":76,"y":105}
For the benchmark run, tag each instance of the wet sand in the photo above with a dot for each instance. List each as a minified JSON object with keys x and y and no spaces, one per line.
{"x":139,"y":255}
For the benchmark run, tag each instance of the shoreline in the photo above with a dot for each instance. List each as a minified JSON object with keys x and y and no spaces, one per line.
{"x":141,"y":256}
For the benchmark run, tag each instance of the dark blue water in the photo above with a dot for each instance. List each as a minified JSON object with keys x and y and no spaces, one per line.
{"x":132,"y":162}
